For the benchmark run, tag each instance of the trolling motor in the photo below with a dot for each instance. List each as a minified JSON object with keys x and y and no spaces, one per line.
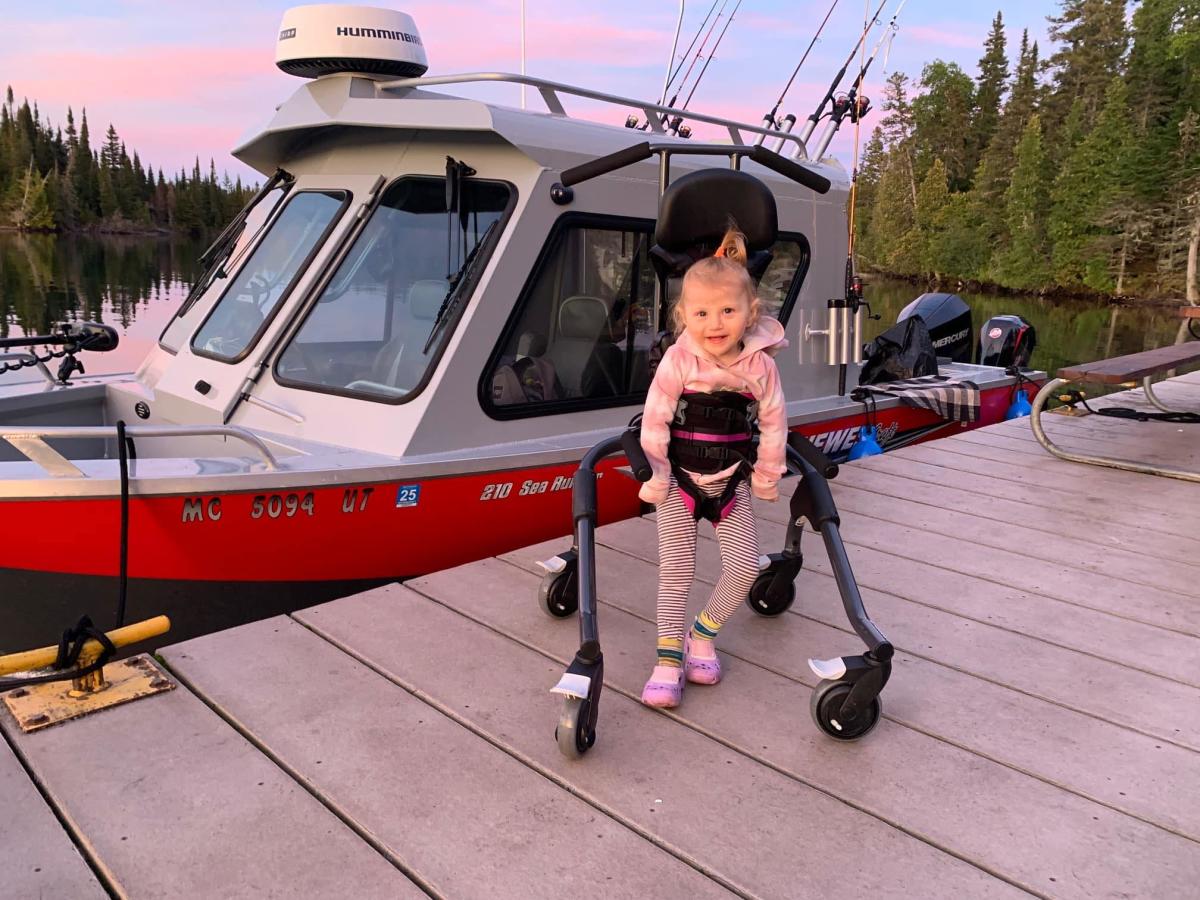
{"x":73,"y":337}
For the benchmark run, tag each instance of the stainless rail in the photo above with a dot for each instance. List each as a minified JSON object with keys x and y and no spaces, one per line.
{"x":31,"y":442}
{"x":551,"y":89}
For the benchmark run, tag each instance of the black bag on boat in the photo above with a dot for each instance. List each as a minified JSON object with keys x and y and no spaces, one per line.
{"x":903,"y":351}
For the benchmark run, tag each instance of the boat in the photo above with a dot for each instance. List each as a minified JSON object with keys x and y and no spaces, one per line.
{"x":403,"y":346}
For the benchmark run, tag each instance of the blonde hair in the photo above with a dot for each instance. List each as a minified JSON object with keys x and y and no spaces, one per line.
{"x":726,"y":266}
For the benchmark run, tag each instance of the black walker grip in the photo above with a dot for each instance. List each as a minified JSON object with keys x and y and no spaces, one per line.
{"x":631,"y":443}
{"x":593,"y":168}
{"x":789,"y":169}
{"x":583,"y":495}
{"x":810,"y":454}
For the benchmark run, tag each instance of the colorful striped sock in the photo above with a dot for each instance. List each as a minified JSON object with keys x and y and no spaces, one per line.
{"x":670,"y":652}
{"x":705,"y":627}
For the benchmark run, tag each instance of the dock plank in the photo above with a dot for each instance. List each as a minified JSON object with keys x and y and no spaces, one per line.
{"x":911,"y":479}
{"x":1068,"y":524}
{"x":975,"y":808}
{"x":171,"y":802}
{"x":1055,"y":475}
{"x":761,"y":827}
{"x":419,"y":782}
{"x":1074,"y":549}
{"x":37,"y":858}
{"x":1083,"y":752}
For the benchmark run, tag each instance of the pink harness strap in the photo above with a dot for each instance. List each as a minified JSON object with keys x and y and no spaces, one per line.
{"x":690,"y":502}
{"x":708,"y":436}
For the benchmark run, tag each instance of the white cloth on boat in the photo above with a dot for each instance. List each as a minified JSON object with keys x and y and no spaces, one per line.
{"x":956,"y":399}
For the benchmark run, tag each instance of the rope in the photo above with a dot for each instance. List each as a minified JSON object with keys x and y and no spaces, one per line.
{"x":124,"y":444}
{"x":70,"y":645}
{"x":1073,"y":397}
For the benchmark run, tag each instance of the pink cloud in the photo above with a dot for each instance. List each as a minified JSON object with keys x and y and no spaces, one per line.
{"x":944,"y":36}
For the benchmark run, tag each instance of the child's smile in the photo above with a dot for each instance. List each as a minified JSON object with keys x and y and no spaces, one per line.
{"x":715,"y":318}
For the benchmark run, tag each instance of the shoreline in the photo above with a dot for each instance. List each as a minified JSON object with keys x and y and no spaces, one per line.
{"x":1055,"y":294}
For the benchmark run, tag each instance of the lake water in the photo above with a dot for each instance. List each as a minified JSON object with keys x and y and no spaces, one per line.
{"x":136,"y":284}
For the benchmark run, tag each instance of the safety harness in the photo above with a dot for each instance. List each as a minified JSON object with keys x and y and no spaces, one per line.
{"x":711,"y":432}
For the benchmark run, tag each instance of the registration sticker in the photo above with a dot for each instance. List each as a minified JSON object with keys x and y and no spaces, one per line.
{"x":408,"y":495}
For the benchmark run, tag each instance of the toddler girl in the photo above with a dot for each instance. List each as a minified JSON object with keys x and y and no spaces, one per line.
{"x":696,"y":429}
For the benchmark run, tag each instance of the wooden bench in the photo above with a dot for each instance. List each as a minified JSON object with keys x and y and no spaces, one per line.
{"x":1124,"y":370}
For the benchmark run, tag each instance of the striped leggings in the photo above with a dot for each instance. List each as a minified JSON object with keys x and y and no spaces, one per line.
{"x":738,"y":540}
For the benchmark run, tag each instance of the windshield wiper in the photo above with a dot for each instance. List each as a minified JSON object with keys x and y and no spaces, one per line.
{"x":454,"y":293}
{"x":212,"y":259}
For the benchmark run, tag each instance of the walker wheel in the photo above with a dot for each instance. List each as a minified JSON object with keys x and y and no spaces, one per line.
{"x":826,"y":703}
{"x":761,"y":601}
{"x":572,"y":742}
{"x":557,"y":594}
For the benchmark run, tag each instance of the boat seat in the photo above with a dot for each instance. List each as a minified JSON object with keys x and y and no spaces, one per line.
{"x":587,"y":361}
{"x":401,"y":362}
{"x":695,"y":212}
{"x":530,"y":376}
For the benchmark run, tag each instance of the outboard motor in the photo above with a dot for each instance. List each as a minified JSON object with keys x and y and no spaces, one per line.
{"x":1006,"y":341}
{"x":948,"y":319}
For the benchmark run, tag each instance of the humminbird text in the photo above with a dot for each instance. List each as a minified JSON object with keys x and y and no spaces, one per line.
{"x":378,"y":33}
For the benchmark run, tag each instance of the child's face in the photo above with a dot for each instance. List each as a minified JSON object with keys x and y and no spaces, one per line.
{"x":715,"y":316}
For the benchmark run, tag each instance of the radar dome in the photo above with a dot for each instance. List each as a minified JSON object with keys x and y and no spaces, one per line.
{"x":326,"y":38}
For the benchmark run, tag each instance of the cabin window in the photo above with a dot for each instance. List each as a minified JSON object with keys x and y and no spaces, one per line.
{"x":383,"y":316}
{"x":582,"y":334}
{"x":260,"y":286}
{"x":174,"y":335}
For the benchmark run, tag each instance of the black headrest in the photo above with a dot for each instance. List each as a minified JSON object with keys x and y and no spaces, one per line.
{"x":696,"y":209}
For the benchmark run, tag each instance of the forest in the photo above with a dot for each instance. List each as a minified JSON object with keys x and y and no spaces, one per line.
{"x":1076,"y":171}
{"x":51,"y":180}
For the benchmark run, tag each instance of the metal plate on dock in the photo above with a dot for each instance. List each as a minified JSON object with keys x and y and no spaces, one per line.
{"x":42,"y":705}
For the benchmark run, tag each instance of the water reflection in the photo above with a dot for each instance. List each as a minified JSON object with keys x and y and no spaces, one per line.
{"x":1068,"y":331}
{"x":134,"y":284}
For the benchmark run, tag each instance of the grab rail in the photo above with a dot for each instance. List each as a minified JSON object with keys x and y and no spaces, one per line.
{"x":31,"y":442}
{"x":551,"y":89}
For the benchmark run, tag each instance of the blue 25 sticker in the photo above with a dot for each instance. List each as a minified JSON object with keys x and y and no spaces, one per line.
{"x":408,"y":495}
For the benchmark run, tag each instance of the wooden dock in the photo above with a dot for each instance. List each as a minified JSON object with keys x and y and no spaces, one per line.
{"x":1041,"y":731}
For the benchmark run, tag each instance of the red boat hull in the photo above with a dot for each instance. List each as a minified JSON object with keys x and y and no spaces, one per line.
{"x":378,"y":531}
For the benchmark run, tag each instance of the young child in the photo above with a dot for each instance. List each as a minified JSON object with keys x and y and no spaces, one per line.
{"x":696,"y":429}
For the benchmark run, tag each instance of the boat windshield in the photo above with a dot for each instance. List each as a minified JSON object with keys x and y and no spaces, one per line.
{"x":386,"y":312}
{"x":267,"y":277}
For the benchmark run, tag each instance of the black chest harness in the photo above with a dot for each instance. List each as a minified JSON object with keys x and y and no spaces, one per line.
{"x":711,"y":432}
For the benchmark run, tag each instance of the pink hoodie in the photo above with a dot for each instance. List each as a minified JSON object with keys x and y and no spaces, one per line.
{"x":687,"y":367}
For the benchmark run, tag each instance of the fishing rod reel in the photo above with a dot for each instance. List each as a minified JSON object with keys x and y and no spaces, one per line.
{"x":73,"y":337}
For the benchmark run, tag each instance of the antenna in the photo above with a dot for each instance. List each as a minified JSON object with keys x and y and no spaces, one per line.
{"x":671,"y":58}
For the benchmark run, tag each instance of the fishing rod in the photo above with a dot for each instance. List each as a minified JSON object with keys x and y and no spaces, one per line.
{"x":854,"y":104}
{"x":811,"y":125}
{"x":687,"y":53}
{"x":663,"y":117}
{"x":769,"y":118}
{"x":700,"y":77}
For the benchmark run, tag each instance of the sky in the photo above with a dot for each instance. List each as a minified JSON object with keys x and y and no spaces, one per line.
{"x":186,"y":79}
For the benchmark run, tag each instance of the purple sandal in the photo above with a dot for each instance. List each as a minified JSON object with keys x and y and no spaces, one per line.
{"x":660,"y":691}
{"x":700,"y":669}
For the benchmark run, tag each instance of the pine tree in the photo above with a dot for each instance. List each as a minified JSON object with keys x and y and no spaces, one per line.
{"x":1093,"y":39}
{"x":939,"y":117}
{"x":989,"y":91}
{"x":1022,"y":263}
